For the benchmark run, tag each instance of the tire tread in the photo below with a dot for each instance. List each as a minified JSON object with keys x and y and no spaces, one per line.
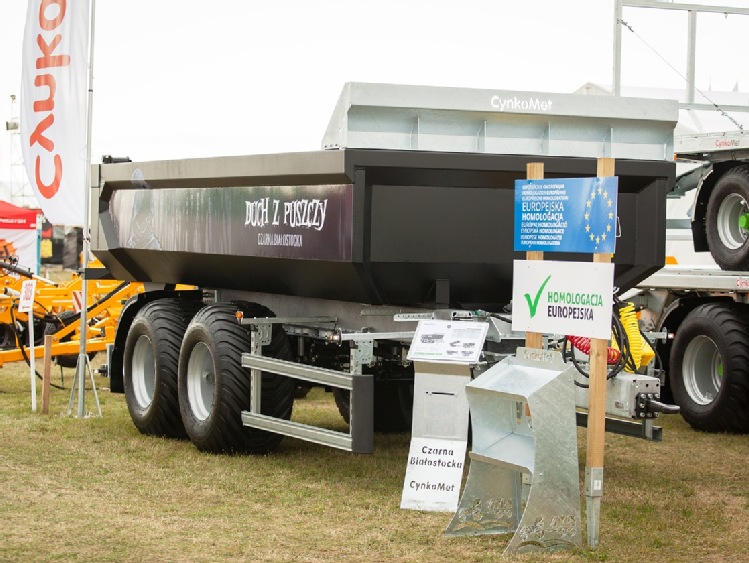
{"x":727,"y":323}
{"x":734,"y":181}
{"x":224,"y":431}
{"x":165,"y":320}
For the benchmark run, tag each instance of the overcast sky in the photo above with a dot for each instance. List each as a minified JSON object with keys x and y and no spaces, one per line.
{"x":188,"y":78}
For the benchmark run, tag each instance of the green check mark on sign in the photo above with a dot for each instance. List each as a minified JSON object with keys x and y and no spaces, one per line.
{"x":533,"y":303}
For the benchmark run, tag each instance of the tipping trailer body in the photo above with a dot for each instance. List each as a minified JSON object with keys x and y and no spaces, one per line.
{"x":418,"y":186}
{"x":716,"y":185}
{"x":331,"y":257}
{"x":370,"y":226}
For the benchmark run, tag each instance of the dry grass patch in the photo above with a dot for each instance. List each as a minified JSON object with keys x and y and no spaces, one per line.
{"x":98,"y":490}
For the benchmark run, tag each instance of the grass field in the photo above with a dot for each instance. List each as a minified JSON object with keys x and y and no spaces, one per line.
{"x":95,"y":489}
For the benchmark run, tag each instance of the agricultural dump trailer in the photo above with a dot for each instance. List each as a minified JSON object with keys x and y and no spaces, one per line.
{"x":314,"y":268}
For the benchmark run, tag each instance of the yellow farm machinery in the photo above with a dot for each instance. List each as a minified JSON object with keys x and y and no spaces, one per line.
{"x":56,"y":311}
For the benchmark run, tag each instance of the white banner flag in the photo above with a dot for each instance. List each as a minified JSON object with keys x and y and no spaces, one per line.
{"x":54,"y":106}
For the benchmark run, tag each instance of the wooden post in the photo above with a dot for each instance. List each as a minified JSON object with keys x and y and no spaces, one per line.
{"x":47,"y":372}
{"x":596,"y":409}
{"x":534,"y":171}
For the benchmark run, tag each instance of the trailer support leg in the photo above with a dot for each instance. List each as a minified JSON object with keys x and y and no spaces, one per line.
{"x":80,"y":380}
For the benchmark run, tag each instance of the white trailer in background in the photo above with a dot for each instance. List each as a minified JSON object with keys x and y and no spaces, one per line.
{"x":701,"y":299}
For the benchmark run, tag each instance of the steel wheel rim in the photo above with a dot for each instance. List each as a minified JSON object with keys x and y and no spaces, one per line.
{"x":730,"y":211}
{"x":200,"y":381}
{"x":143,"y":369}
{"x":703,"y":370}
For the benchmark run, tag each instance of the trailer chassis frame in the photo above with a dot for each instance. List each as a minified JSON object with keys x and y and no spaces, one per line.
{"x":360,"y":438}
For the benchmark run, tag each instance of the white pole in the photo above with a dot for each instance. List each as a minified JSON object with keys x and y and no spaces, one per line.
{"x":26,"y":305}
{"x":617,"y":80}
{"x":82,"y":358}
{"x":32,"y":365}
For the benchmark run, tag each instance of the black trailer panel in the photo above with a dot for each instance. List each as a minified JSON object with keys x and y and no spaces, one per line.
{"x":370,"y":226}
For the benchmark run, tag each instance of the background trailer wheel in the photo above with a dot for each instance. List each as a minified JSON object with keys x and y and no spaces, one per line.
{"x":710,"y":367}
{"x":62,"y":320}
{"x":150,"y":365}
{"x":7,"y":336}
{"x":727,"y":220}
{"x":393,"y":403}
{"x":214,"y":388}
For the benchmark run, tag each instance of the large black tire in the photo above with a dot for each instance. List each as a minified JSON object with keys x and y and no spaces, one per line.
{"x":214,"y":388}
{"x":151,"y":359}
{"x":393,"y":405}
{"x":709,"y":364}
{"x":727,"y":220}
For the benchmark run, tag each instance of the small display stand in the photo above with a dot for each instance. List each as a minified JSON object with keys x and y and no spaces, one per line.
{"x":442,"y":352}
{"x":439,"y":438}
{"x":523,"y":474}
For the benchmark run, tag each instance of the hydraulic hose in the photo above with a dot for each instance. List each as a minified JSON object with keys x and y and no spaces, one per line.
{"x":582,"y":343}
{"x":618,"y":355}
{"x":632,"y":328}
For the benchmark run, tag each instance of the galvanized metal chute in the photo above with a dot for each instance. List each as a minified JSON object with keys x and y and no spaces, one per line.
{"x":523,"y":476}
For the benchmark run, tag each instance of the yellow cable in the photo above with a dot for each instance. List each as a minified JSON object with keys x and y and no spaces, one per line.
{"x":639,"y":348}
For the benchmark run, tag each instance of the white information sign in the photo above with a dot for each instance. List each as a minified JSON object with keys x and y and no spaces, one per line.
{"x":433,"y":474}
{"x":26,"y":301}
{"x":448,"y":341}
{"x":572,"y":298}
{"x":439,"y":435}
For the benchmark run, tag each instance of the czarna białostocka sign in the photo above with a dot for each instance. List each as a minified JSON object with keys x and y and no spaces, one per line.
{"x":54,"y":106}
